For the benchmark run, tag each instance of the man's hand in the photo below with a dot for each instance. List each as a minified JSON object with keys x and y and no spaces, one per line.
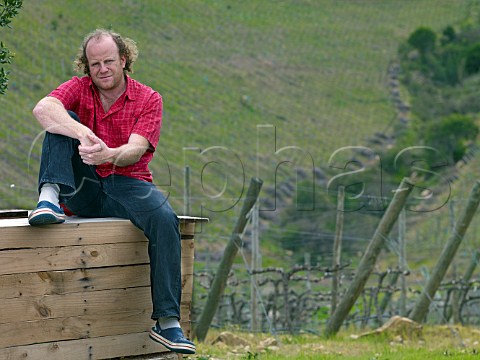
{"x":94,"y":151}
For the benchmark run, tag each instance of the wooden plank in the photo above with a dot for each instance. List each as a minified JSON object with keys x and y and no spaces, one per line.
{"x":21,"y":236}
{"x":184,"y":221}
{"x":192,"y":219}
{"x":72,"y":281}
{"x":187,"y":228}
{"x":81,"y":327}
{"x":75,"y":304}
{"x":72,"y":257}
{"x":17,"y":234}
{"x":81,"y":280}
{"x":106,"y":347}
{"x":10,"y":214}
{"x":191,"y":225}
{"x":70,"y":328}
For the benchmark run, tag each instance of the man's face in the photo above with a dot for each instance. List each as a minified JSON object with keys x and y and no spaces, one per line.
{"x":105,"y":64}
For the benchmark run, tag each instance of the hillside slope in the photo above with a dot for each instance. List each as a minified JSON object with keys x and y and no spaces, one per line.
{"x":315,"y":72}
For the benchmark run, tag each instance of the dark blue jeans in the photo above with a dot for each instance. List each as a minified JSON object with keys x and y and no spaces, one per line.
{"x":88,"y":195}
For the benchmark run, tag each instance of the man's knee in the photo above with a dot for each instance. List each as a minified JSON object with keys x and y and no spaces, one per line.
{"x":166,"y":213}
{"x":73,"y":115}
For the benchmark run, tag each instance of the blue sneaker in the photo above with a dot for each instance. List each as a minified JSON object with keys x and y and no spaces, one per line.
{"x":46,"y":213}
{"x":173,"y":339}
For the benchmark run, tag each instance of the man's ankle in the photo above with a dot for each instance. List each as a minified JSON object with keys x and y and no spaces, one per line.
{"x":168,"y":322}
{"x":50,"y":192}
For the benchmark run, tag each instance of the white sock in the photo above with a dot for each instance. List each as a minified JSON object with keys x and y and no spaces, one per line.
{"x":50,"y":193}
{"x":168,"y":322}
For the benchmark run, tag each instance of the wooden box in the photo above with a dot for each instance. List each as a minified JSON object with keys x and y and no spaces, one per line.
{"x":81,"y":290}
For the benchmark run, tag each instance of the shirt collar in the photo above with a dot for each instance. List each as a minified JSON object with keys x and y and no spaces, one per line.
{"x":129,"y":93}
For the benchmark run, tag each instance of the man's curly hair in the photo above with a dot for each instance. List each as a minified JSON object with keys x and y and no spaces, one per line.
{"x":126,"y":47}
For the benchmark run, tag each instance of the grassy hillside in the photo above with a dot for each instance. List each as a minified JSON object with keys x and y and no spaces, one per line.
{"x":314,"y":70}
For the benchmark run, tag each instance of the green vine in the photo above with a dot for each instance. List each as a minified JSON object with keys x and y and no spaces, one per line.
{"x":8,"y":10}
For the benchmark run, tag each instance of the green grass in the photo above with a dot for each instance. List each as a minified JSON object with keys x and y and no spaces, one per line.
{"x":315,"y":70}
{"x":438,"y":342}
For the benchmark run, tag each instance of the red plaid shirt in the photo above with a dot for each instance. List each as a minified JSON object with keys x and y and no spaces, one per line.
{"x":137,"y":111}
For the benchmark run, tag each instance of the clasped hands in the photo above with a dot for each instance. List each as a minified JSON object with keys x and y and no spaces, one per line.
{"x":93,"y":150}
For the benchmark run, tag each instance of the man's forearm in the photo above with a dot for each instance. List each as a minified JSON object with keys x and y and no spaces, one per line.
{"x":127,"y":154}
{"x":53,"y":117}
{"x":99,"y":153}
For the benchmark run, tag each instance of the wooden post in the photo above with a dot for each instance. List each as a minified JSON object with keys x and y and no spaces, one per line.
{"x":286,"y":301}
{"x":402,"y":260}
{"x":468,"y":275}
{"x":255,"y":265}
{"x":337,"y":247}
{"x":388,"y":295}
{"x":459,"y":294}
{"x":369,"y":258}
{"x":307,"y":262}
{"x":462,"y":293}
{"x":448,"y":253}
{"x":453,"y":309}
{"x":186,"y":192}
{"x":220,"y":280}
